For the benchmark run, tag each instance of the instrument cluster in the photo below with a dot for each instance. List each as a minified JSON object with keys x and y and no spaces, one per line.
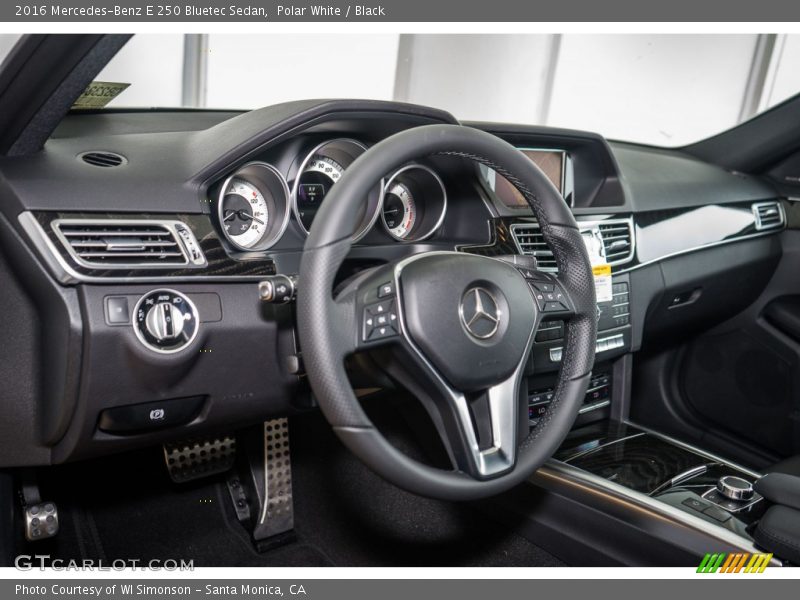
{"x":257,"y":202}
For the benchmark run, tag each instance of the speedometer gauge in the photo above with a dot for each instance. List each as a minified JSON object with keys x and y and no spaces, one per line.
{"x":322,"y":167}
{"x":245,"y":215}
{"x":253,"y":208}
{"x":399,"y":210}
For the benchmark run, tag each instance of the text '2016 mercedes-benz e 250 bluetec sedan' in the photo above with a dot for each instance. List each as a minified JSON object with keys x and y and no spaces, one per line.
{"x":374,"y":332}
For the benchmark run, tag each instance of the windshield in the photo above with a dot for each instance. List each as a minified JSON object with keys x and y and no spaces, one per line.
{"x":666,"y":90}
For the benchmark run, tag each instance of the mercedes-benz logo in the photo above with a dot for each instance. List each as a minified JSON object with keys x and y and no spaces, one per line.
{"x":479,"y":313}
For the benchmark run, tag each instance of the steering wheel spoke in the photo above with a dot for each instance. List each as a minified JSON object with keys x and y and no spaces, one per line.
{"x":479,"y":429}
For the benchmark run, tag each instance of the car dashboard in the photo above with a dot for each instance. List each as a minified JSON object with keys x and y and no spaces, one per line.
{"x":188,"y":212}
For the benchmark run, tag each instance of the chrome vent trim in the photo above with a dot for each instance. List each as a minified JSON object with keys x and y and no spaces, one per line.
{"x":129,"y":243}
{"x":618,"y":240}
{"x":529,"y":240}
{"x":768,"y":215}
{"x":104,"y":159}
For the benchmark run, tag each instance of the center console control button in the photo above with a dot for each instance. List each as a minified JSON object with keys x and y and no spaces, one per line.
{"x":735,"y":488}
{"x":717,"y":514}
{"x":696,"y":504}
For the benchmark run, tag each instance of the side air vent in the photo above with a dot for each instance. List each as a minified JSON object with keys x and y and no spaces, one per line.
{"x":103,"y":159}
{"x":617,"y":240}
{"x":529,"y":240}
{"x":768,"y":215}
{"x":117,"y":244}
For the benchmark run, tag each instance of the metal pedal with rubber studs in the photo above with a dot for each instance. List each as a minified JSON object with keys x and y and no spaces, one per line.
{"x":277,"y":508}
{"x":41,"y":521}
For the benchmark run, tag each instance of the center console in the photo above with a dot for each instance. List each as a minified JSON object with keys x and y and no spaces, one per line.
{"x":619,"y":494}
{"x":668,"y":471}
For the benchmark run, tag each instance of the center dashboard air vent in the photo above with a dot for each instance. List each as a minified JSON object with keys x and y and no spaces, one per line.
{"x":618,"y":240}
{"x":768,"y":215}
{"x":118,"y":244}
{"x":529,"y":240}
{"x":103,"y":159}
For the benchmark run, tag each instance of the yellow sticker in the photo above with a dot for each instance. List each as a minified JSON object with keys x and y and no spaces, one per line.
{"x":98,"y":94}
{"x":601,"y":270}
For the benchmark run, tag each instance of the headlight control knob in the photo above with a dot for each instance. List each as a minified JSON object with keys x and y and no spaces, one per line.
{"x":735,"y":488}
{"x":165,"y":321}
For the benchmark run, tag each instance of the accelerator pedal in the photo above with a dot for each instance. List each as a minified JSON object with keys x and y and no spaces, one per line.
{"x":276,"y":517}
{"x":197,"y":458}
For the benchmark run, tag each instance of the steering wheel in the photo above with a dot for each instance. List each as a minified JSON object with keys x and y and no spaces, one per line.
{"x":455,"y":328}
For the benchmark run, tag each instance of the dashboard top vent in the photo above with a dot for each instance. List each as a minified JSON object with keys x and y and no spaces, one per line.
{"x":103,"y":159}
{"x":768,"y":215}
{"x":529,"y":240}
{"x":618,"y":240}
{"x":129,"y":244}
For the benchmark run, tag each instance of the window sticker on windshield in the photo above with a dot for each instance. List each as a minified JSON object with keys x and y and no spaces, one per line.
{"x":98,"y":94}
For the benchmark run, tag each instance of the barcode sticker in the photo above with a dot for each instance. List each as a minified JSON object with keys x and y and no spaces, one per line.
{"x":99,"y":93}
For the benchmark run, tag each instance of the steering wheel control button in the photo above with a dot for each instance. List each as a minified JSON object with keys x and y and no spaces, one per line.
{"x":386,"y":289}
{"x":550,"y":307}
{"x":165,"y":321}
{"x":136,"y":418}
{"x":117,"y":311}
{"x":380,"y":320}
{"x":735,"y":488}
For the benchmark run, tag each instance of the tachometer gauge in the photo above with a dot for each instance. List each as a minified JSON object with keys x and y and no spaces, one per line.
{"x":253,"y":207}
{"x":414,"y":203}
{"x":319,"y":172}
{"x":399,"y":210}
{"x":245,"y":215}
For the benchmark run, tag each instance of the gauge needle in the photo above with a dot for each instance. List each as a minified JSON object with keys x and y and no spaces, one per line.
{"x":390,"y":212}
{"x":246,"y":215}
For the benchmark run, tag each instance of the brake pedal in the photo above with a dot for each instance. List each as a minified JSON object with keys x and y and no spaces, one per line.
{"x":41,"y":521}
{"x":40,"y":516}
{"x":197,"y":458}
